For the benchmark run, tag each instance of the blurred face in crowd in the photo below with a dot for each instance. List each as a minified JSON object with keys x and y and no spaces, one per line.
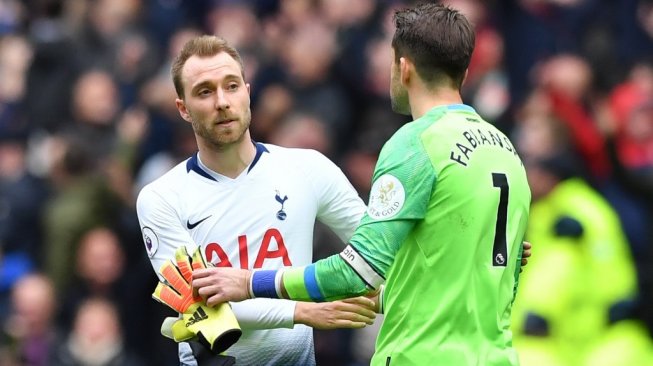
{"x":309,"y":53}
{"x":95,"y":98}
{"x":96,"y":324}
{"x":33,"y":303}
{"x":100,"y":259}
{"x":216,"y":100}
{"x":639,"y":128}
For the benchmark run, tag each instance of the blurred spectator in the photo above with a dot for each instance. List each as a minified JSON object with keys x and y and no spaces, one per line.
{"x":81,"y":201}
{"x":486,"y":84}
{"x":111,"y":38}
{"x":109,"y":135}
{"x":21,"y":209}
{"x":631,"y":103}
{"x":157,"y":95}
{"x":11,"y":12}
{"x":564,"y":90}
{"x":376,"y":121}
{"x":101,"y":272}
{"x":625,"y":343}
{"x":104,"y":23}
{"x":637,"y":179}
{"x":95,"y":107}
{"x":308,"y":58}
{"x":274,"y":103}
{"x":168,"y":139}
{"x":15,"y":58}
{"x":21,"y":197}
{"x":538,"y":132}
{"x":183,"y":146}
{"x":95,"y":340}
{"x":237,"y":23}
{"x":566,"y":82}
{"x":29,"y":334}
{"x":53,"y":68}
{"x":579,"y":234}
{"x":538,"y":29}
{"x":303,"y":131}
{"x":163,"y":18}
{"x":354,"y":24}
{"x":100,"y":264}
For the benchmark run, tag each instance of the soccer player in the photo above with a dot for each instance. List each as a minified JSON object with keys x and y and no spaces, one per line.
{"x":447,"y":214}
{"x":248,"y":205}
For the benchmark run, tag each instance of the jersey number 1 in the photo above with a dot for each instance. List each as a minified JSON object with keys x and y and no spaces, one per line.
{"x":500,"y":248}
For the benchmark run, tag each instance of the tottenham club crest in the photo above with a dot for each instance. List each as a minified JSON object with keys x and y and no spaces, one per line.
{"x":281,"y":214}
{"x":386,"y":197}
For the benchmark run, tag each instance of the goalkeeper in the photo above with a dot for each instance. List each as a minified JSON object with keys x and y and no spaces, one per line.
{"x":447,"y":214}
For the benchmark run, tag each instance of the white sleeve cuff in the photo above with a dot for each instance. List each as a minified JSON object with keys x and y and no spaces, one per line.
{"x":261,"y":313}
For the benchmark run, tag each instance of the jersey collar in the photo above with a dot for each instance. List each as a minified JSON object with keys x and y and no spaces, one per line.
{"x":439,"y":110}
{"x":193,"y":162}
{"x":460,"y":107}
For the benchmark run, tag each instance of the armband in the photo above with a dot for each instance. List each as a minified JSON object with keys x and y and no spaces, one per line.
{"x":364,"y":270}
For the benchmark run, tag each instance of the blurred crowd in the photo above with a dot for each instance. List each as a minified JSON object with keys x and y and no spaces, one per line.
{"x":87,"y":117}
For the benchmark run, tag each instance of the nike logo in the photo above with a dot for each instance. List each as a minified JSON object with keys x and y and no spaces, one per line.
{"x":192,"y":226}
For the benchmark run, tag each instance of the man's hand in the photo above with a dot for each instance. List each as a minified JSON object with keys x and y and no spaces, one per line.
{"x":356,"y":312}
{"x":216,"y":328}
{"x":218,"y":285}
{"x":526,"y":254}
{"x":377,"y":298}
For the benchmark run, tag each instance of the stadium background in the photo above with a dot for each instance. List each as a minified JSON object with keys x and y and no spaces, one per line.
{"x":87,"y":117}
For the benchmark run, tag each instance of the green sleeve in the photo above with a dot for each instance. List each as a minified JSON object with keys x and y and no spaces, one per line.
{"x":402,"y":185}
{"x":403,"y":182}
{"x":335,"y":278}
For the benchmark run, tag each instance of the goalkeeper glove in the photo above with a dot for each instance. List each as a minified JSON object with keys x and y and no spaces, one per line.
{"x":215,"y":328}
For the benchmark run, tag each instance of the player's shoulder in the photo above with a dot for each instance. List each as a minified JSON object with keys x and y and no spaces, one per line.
{"x":406,"y":139}
{"x":173,"y":180}
{"x":291,"y":151}
{"x":297,"y":156}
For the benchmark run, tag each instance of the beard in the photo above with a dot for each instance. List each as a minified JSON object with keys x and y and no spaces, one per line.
{"x":399,"y":98}
{"x":220,"y":137}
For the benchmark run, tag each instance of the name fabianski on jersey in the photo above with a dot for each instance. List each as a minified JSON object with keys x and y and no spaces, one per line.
{"x":471,"y":139}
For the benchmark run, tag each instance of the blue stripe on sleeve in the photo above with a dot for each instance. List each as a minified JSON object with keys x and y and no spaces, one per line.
{"x":311,"y":284}
{"x":263,"y":284}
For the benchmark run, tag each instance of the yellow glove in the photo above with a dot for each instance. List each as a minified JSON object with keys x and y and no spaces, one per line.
{"x":216,"y":328}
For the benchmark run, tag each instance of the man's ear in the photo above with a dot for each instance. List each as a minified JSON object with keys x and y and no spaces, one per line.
{"x":406,"y":68}
{"x":183,"y":112}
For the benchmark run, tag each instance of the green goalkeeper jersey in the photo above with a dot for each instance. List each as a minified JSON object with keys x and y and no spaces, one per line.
{"x":444,"y":227}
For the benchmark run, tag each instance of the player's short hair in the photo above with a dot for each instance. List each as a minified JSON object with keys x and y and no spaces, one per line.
{"x":202,"y":46}
{"x":439,"y":40}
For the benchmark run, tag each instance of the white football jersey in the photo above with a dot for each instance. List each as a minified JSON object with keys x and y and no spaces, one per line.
{"x":264,"y":218}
